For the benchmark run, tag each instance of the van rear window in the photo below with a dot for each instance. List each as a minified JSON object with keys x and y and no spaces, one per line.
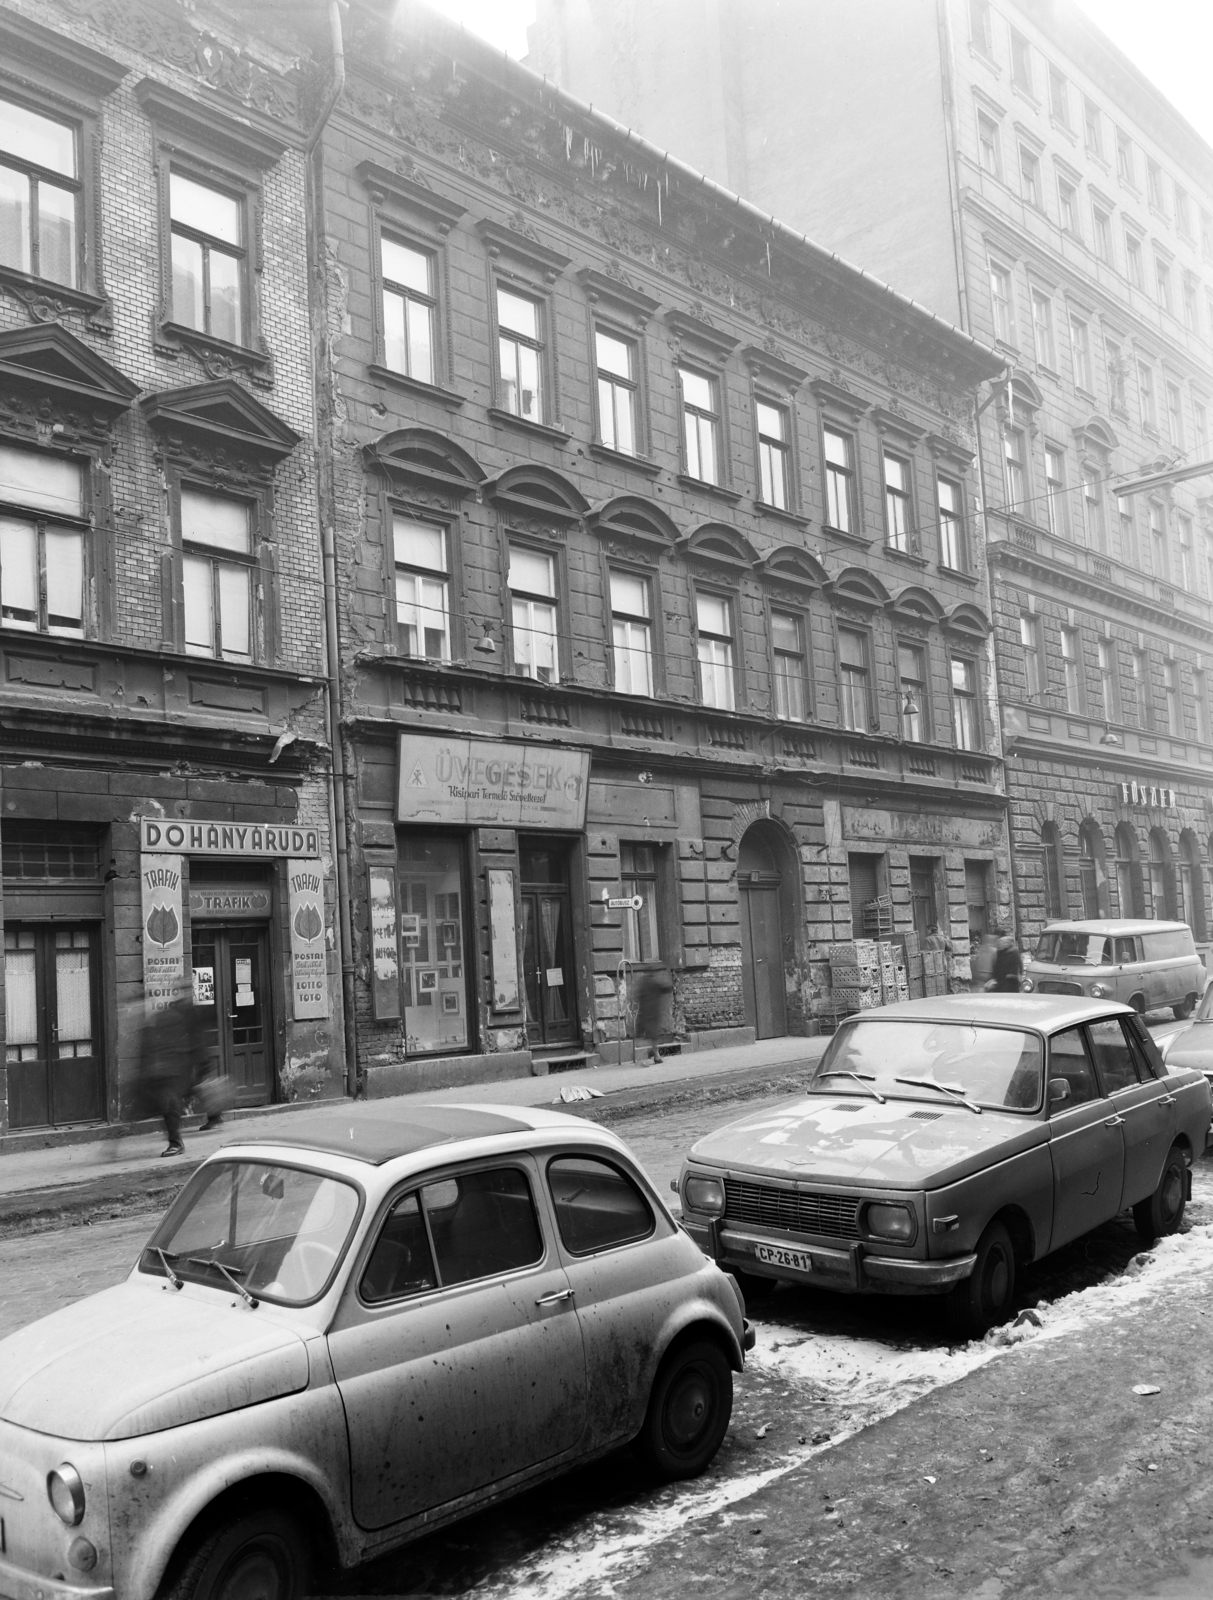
{"x":1168,"y":946}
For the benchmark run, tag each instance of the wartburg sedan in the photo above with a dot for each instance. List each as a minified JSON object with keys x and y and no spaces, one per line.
{"x":347,"y":1337}
{"x":943,"y":1144}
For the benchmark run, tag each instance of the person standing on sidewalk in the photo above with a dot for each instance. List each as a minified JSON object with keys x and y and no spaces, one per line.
{"x":1008,"y":965}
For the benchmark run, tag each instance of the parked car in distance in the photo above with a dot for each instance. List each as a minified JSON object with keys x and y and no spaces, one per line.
{"x":350,"y":1335}
{"x":945,"y":1143}
{"x":1190,"y":1044}
{"x":1146,"y":965}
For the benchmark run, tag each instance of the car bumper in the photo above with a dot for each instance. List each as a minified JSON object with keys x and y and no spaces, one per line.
{"x":850,"y":1269}
{"x":17,"y":1583}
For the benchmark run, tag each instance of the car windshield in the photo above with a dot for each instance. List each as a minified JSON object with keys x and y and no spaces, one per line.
{"x":1062,"y":949}
{"x":997,"y":1067}
{"x":278,"y":1231}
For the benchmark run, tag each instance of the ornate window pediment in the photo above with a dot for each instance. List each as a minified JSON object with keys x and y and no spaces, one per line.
{"x":420,"y":456}
{"x":520,"y":242}
{"x":770,"y":366}
{"x":788,"y":563}
{"x":538,"y":491}
{"x":381,"y":184}
{"x":219,"y":415}
{"x":1096,"y":435}
{"x":859,"y":588}
{"x":629,"y":516}
{"x":48,"y":360}
{"x":916,"y":604}
{"x":618,"y":295}
{"x":967,"y":621}
{"x":715,"y":541}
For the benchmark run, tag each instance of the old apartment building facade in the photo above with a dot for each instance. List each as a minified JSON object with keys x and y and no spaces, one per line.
{"x":1013,"y":170}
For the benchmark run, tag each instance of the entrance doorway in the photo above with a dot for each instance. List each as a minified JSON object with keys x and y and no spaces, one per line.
{"x":231,"y":973}
{"x":760,"y":882}
{"x":53,"y":1025}
{"x":548,"y":971}
{"x":924,"y":905}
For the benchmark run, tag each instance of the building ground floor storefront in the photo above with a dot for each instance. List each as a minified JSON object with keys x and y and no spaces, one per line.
{"x":122,"y":889}
{"x":512,"y":899}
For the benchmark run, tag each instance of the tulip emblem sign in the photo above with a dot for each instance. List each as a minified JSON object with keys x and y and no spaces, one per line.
{"x":309,"y":947}
{"x":163,"y":946}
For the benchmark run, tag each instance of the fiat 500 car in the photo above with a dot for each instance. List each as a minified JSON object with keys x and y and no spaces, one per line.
{"x":1190,"y":1044}
{"x":943,"y":1144}
{"x":349,"y":1336}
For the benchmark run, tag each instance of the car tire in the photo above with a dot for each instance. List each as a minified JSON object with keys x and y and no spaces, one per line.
{"x":261,"y":1553}
{"x":1185,"y":1008}
{"x":983,"y":1300}
{"x":689,"y":1410}
{"x":1138,"y":1002}
{"x":752,"y":1285}
{"x":1163,"y":1211}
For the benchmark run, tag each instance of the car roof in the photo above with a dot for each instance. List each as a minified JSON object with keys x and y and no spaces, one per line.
{"x":377,"y":1136}
{"x":1113,"y":926}
{"x":1046,"y":1012}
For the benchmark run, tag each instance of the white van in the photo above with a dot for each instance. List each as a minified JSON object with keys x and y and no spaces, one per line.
{"x":1147,"y":965}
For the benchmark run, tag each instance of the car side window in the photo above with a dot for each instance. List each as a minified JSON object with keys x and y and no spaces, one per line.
{"x":597,"y":1206}
{"x":401,"y":1263}
{"x":1069,"y":1063}
{"x":1115,"y":1062}
{"x":1126,"y":950}
{"x":1153,"y":1065}
{"x":482,"y":1224}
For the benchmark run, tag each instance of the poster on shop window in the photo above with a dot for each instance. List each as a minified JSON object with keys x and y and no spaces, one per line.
{"x":309,"y":977}
{"x":163,"y":943}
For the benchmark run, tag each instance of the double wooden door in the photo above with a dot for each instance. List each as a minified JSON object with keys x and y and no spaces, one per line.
{"x":548,"y":971}
{"x":231,"y":994}
{"x":53,"y":1050}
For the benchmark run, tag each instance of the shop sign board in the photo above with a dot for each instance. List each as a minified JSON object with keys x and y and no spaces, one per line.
{"x":309,"y":978}
{"x":210,"y":900}
{"x":197,"y":837}
{"x":385,"y":957}
{"x":1148,"y":794}
{"x":484,"y":784}
{"x":163,"y":938}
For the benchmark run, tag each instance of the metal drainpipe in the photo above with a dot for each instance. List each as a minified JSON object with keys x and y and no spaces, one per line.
{"x":321,"y":378}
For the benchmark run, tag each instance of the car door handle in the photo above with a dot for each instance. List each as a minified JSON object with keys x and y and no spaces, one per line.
{"x":1113,"y":1122}
{"x":555,"y":1299}
{"x":1166,"y":1100}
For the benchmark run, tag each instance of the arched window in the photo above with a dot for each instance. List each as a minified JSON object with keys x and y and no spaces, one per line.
{"x":1192,"y":885}
{"x":1093,"y":870}
{"x":1162,"y":878}
{"x":1054,"y":871}
{"x":1129,"y":888}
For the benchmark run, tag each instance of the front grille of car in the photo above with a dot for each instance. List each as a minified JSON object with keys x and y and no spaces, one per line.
{"x":1057,"y":986}
{"x":836,"y":1215}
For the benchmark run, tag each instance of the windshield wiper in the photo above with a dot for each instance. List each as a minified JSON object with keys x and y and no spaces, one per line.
{"x":861,"y":1078}
{"x":944,"y":1088}
{"x":209,"y":1261}
{"x":165,"y":1260}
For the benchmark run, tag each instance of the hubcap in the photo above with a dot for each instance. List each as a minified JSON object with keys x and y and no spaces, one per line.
{"x":1172,"y":1194}
{"x":253,"y":1575}
{"x":997,"y":1281}
{"x":688,"y":1410}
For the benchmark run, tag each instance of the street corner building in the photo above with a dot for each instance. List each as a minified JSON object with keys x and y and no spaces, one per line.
{"x":664,"y":638}
{"x":165,"y":813}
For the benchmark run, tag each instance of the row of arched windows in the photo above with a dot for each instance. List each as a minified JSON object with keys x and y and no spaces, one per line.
{"x":1162,"y":886}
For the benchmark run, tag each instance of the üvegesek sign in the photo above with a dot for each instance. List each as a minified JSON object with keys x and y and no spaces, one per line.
{"x":474,"y":781}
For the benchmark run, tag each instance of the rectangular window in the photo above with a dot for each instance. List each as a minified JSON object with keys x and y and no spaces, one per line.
{"x":1021,"y":62}
{"x":1135,"y":267}
{"x":1145,"y":389}
{"x":853,"y":679}
{"x":1175,"y":414}
{"x":1080,"y":348}
{"x":840,"y":481}
{"x":41,"y":560}
{"x":1159,"y":554}
{"x":964,"y":704}
{"x":1102,"y":224}
{"x":989,"y":145}
{"x":1107,"y":680}
{"x":533,"y":610}
{"x":1016,"y":470}
{"x":1170,"y":679}
{"x":714,"y":650}
{"x":1093,"y":512}
{"x":1042,"y":329}
{"x":1127,"y":524}
{"x":700,"y":425}
{"x":1092,"y":127}
{"x":1059,"y":97}
{"x":1200,"y":425}
{"x":39,"y":195}
{"x":208,"y":254}
{"x":617,"y":391}
{"x":520,"y":354}
{"x":787,"y":646}
{"x":1003,"y":307}
{"x":1071,"y":669}
{"x":774,"y":455}
{"x":631,"y":633}
{"x":1191,"y":303}
{"x":952,"y":552}
{"x":1029,"y":177}
{"x":1124,"y":158}
{"x":639,"y":881}
{"x":1029,"y":638}
{"x":898,"y":511}
{"x":422,"y":589}
{"x":1057,"y":505}
{"x":1116,"y":375}
{"x":911,"y":691}
{"x":981,"y":31}
{"x":1200,"y":696}
{"x":1162,"y":279}
{"x":1187,"y":553}
{"x":216,"y":569}
{"x":409,"y":309}
{"x":1067,"y":206}
{"x":1154,"y":186}
{"x":1183,"y":212}
{"x":1139,"y":667}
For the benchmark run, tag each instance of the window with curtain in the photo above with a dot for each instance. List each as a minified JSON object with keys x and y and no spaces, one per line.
{"x":714,"y":650}
{"x":533,"y":611}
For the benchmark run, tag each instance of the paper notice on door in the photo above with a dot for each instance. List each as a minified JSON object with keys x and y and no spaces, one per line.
{"x":204,"y":986}
{"x":555,"y":977}
{"x":244,"y":997}
{"x":244,"y":974}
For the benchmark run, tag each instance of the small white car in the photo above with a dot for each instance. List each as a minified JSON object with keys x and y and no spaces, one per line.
{"x":346,"y":1337}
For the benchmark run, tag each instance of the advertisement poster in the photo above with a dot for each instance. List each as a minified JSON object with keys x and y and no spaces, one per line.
{"x":385,"y":959}
{"x":309,"y":980}
{"x":163,"y":941}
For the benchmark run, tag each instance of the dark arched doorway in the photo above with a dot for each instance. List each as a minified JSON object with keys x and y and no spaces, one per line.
{"x":1162,"y":878}
{"x":765,"y":881}
{"x":1093,"y":869}
{"x":1129,"y":888}
{"x":1192,"y":885}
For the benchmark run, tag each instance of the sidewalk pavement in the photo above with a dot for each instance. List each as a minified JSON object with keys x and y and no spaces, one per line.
{"x":40,"y":1185}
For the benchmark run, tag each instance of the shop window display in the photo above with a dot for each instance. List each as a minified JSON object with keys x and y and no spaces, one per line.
{"x":431,"y":945}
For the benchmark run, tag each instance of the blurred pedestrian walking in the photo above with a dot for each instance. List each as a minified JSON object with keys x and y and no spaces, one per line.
{"x":650,"y":986}
{"x":981,"y":959}
{"x":170,"y":1063}
{"x":1008,"y":965}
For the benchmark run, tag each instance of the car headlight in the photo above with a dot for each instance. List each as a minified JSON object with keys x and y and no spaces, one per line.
{"x":1099,"y":991}
{"x":705,"y":1195}
{"x":892,"y":1222}
{"x":1027,"y":985}
{"x":65,"y":1491}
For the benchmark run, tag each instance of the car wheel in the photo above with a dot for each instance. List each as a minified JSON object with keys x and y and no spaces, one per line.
{"x":689,"y":1410}
{"x":1185,"y":1008}
{"x":259,"y":1556}
{"x":1163,"y":1211}
{"x":983,"y":1299}
{"x":1138,"y":1002}
{"x":752,"y":1285}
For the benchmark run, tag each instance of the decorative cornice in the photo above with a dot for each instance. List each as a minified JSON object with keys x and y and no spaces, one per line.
{"x":770,"y":364}
{"x":701,"y":332}
{"x":383,"y":184}
{"x":893,"y":422}
{"x":24,"y":42}
{"x":840,"y":398}
{"x":201,"y":123}
{"x":525,"y":246}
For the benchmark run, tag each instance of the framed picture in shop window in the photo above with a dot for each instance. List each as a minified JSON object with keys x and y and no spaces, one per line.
{"x":450,"y":1003}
